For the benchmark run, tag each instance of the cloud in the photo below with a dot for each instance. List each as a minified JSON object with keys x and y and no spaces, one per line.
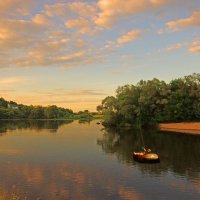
{"x":64,"y":61}
{"x":12,"y":80}
{"x":193,"y":20}
{"x":112,"y":11}
{"x":63,"y":34}
{"x":41,"y":19}
{"x":58,"y":49}
{"x":60,"y":101}
{"x":196,"y":42}
{"x":88,"y":92}
{"x":41,"y":38}
{"x":18,"y":34}
{"x":75,"y":102}
{"x":84,"y":26}
{"x":48,"y":47}
{"x":176,"y":46}
{"x":71,"y":57}
{"x":130,"y":36}
{"x":5,"y":92}
{"x":78,"y":15}
{"x":8,"y":85}
{"x":160,"y":2}
{"x":58,"y":9}
{"x":10,"y":7}
{"x":64,"y":92}
{"x":76,"y":99}
{"x":82,"y":9}
{"x":193,"y":47}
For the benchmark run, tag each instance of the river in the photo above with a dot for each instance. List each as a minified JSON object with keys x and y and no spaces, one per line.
{"x":60,"y":160}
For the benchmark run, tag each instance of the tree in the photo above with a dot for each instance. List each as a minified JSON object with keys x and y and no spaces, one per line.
{"x":51,"y":112}
{"x":12,"y":110}
{"x":37,"y":113}
{"x":109,"y":110}
{"x":3,"y":103}
{"x":153,"y":101}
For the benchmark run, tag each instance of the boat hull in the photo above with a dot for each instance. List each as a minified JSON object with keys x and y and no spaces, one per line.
{"x":146,"y":157}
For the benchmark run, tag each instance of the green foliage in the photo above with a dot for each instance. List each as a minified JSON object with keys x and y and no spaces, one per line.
{"x":84,"y":115}
{"x":37,"y":113}
{"x":12,"y":110}
{"x":3,"y":103}
{"x":153,"y":101}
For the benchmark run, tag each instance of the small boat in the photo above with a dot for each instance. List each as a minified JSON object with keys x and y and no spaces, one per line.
{"x":146,"y":157}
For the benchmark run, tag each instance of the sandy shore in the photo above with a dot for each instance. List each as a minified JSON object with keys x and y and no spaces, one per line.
{"x":189,"y":128}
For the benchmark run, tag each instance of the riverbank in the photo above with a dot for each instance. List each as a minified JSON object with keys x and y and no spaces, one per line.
{"x":74,"y":117}
{"x":184,"y":127}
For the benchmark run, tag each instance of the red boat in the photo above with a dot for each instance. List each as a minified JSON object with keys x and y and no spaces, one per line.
{"x":146,"y":157}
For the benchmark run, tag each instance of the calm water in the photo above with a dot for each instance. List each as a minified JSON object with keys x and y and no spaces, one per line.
{"x":53,"y":160}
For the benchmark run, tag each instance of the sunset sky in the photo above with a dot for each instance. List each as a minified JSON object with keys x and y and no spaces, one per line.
{"x":75,"y":53}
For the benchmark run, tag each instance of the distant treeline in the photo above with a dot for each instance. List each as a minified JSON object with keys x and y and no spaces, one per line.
{"x":153,"y":101}
{"x":12,"y":110}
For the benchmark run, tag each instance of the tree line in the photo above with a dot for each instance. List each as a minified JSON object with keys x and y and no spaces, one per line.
{"x":12,"y":110}
{"x":153,"y":101}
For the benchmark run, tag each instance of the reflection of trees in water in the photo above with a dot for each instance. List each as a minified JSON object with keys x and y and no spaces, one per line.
{"x":31,"y":124}
{"x":112,"y":142}
{"x":179,"y":153}
{"x":84,"y":121}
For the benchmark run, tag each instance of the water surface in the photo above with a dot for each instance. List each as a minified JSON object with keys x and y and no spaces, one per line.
{"x":53,"y":160}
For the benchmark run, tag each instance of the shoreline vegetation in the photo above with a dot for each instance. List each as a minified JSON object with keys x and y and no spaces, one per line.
{"x":10,"y":110}
{"x":153,"y":102}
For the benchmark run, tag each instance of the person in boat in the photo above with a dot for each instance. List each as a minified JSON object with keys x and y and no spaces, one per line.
{"x":146,"y":150}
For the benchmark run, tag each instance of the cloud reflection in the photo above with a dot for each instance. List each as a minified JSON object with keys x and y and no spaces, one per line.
{"x":64,"y":180}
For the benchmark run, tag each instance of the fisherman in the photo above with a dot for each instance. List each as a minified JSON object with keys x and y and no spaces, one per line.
{"x":146,"y":150}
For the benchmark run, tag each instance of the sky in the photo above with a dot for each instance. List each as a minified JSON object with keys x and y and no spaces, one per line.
{"x":75,"y":53}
